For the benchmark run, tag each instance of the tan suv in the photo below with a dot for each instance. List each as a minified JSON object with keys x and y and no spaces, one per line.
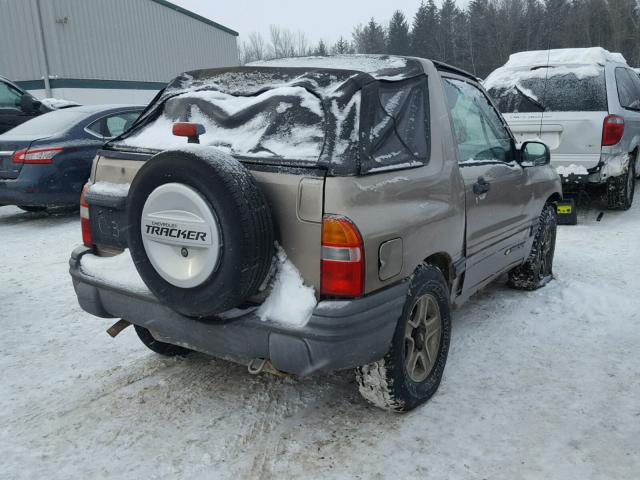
{"x":314,"y":214}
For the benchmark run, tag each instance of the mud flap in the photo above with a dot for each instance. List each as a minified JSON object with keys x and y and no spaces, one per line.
{"x":567,"y":212}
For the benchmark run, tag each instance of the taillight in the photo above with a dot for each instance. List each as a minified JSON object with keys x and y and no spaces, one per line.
{"x":85,"y":224}
{"x":342,"y":264}
{"x":612,"y":130}
{"x":36,"y":155}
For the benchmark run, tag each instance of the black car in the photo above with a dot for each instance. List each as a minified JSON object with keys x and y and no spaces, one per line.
{"x":18,"y":106}
{"x":45,"y":162}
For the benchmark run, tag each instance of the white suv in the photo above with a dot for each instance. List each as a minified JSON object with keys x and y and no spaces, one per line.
{"x":584,"y":104}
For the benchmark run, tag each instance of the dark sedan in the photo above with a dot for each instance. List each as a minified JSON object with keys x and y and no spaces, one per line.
{"x":45,"y":162}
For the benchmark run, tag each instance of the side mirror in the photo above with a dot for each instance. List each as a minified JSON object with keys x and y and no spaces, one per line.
{"x":28,"y":104}
{"x":534,"y":154}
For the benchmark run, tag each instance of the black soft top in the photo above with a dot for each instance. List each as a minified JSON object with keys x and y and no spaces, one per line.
{"x":322,"y":96}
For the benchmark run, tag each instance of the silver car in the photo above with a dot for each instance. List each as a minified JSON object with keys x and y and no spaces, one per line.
{"x":585,"y":105}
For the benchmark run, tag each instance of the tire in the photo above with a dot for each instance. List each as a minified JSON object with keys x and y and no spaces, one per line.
{"x":537,"y":270}
{"x":241,"y":232}
{"x":166,"y":349}
{"x":392,"y":383}
{"x":621,"y":190}
{"x":32,"y":209}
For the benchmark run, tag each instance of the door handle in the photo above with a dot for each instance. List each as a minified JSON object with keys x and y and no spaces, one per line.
{"x":481,"y":186}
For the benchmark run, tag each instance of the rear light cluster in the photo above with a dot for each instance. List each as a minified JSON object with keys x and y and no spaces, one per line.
{"x":612,"y":130}
{"x":85,"y":225}
{"x":36,"y":155}
{"x":342,"y":264}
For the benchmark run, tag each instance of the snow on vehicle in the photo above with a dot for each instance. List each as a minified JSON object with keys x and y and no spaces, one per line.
{"x":315,"y":214}
{"x":584,"y":104}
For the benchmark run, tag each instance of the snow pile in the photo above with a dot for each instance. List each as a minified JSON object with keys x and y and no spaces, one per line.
{"x":57,"y":103}
{"x":290,"y":302}
{"x":363,"y":63}
{"x":564,"y":56}
{"x":117,"y":271}
{"x":109,"y":189}
{"x":572,"y":169}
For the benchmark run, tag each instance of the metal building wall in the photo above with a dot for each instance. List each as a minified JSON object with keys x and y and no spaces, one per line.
{"x":125,"y":40}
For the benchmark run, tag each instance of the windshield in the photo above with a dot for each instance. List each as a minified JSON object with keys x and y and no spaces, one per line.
{"x":48,"y":124}
{"x":569,"y":92}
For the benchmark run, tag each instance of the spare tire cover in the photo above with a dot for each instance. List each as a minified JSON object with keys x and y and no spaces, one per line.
{"x":200,"y":230}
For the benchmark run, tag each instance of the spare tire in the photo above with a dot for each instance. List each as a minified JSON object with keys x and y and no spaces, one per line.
{"x":200,"y":231}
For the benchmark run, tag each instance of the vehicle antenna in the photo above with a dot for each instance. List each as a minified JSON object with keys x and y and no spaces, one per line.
{"x":544,"y":92}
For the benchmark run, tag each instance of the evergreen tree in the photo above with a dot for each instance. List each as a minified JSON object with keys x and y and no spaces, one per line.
{"x":398,"y":42}
{"x":321,"y":49}
{"x":370,"y":39}
{"x":447,"y":39}
{"x":424,"y":31}
{"x":341,"y":47}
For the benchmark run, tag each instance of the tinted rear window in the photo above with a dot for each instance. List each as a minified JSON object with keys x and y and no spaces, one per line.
{"x":557,"y":93}
{"x":49,"y":124}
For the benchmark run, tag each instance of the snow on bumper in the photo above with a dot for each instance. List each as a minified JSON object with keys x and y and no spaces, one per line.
{"x":339,"y":334}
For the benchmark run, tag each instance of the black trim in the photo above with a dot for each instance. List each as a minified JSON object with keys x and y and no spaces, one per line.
{"x":124,"y":155}
{"x":459,"y":267}
{"x":195,"y":16}
{"x":441,"y":66}
{"x":92,"y":83}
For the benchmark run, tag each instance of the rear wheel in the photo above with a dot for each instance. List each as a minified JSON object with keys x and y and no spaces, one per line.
{"x":537,"y":270}
{"x":621,"y":190}
{"x":411,"y":371}
{"x":166,"y":349}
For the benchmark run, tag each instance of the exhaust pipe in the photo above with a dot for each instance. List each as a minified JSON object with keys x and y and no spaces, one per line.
{"x":115,"y":329}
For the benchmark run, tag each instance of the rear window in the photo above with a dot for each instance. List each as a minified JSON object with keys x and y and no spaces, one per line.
{"x":49,"y":124}
{"x":281,"y":123}
{"x":538,"y":90}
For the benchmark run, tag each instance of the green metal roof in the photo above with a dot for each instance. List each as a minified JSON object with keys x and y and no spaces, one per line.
{"x":188,"y":13}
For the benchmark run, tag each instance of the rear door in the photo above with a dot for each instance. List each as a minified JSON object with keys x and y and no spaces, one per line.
{"x":496,"y":191}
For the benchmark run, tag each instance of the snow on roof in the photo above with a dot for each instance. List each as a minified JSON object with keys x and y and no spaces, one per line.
{"x":522,"y":66}
{"x":381,"y":67}
{"x":564,"y":56}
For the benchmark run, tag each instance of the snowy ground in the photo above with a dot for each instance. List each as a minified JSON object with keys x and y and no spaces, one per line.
{"x":538,"y":385}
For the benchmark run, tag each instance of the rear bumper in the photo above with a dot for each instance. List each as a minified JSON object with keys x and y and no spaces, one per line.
{"x":339,"y":335}
{"x":574,"y":169}
{"x":30,"y":193}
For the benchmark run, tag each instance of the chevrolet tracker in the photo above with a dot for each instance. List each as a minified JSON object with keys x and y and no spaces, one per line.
{"x":314,"y":214}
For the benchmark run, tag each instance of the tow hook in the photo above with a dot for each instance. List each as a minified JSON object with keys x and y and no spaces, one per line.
{"x":259,"y":365}
{"x":117,"y":327}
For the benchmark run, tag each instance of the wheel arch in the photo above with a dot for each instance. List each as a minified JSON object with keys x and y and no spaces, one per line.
{"x":553,"y":198}
{"x":442,"y":261}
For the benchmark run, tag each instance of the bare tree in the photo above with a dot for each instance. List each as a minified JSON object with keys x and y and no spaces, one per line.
{"x":253,"y":49}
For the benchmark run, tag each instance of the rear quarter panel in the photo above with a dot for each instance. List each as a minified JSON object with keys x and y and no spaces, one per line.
{"x":423,"y":206}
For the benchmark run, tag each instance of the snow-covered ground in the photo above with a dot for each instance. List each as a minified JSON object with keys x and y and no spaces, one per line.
{"x":538,"y":385}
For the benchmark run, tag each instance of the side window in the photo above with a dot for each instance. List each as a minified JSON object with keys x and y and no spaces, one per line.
{"x":113,"y":125}
{"x":397,"y":133}
{"x":628,"y":94}
{"x":97,"y":127}
{"x":9,"y":97}
{"x":479,"y":132}
{"x":117,"y":124}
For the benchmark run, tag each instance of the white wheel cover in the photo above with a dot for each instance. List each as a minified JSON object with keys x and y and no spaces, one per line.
{"x":180,"y":234}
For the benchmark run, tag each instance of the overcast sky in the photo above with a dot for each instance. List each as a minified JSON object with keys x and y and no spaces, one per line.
{"x":326,"y":19}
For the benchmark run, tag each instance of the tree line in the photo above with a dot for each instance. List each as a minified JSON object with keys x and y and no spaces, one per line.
{"x":478,"y":38}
